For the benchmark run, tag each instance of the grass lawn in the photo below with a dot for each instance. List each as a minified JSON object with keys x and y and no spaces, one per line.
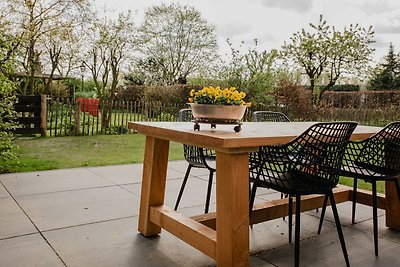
{"x":380,"y":186}
{"x":36,"y":153}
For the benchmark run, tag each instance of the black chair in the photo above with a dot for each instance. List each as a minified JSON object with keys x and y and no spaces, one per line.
{"x":374,"y":159}
{"x":196,"y":157}
{"x":270,"y":116}
{"x":309,"y":164}
{"x":266,"y":116}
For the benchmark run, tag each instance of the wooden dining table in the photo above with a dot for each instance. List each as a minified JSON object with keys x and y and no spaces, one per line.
{"x":224,"y":235}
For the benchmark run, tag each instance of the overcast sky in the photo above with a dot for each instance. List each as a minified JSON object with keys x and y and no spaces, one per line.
{"x":274,"y":21}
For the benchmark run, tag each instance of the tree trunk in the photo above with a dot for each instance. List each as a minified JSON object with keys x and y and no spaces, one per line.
{"x":31,"y":68}
{"x":312,"y":87}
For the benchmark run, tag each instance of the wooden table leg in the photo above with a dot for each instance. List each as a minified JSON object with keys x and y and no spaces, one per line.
{"x":392,"y":206}
{"x":153,"y":182}
{"x":232,"y":209}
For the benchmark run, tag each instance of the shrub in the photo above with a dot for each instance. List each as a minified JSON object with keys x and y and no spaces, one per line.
{"x":332,"y":99}
{"x":362,"y":99}
{"x":172,"y":94}
{"x":295,"y":100}
{"x":345,"y":87}
{"x":132,"y":92}
{"x":7,"y":122}
{"x":86,"y":94}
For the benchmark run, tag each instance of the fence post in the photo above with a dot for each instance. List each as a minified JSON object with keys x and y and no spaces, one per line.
{"x":43,"y":115}
{"x":77,"y":118}
{"x":146,"y":111}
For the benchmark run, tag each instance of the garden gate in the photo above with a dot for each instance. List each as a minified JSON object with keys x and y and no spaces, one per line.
{"x":31,"y":114}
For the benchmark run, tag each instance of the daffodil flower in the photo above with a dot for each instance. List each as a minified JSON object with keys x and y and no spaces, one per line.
{"x":217,"y":95}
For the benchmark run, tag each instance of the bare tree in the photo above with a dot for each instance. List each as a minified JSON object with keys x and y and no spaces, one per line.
{"x":34,"y":20}
{"x":329,"y":51}
{"x":177,"y":41}
{"x":62,"y":51}
{"x":112,"y":43}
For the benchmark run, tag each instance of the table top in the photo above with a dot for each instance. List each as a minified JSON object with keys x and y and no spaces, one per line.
{"x":223,"y":137}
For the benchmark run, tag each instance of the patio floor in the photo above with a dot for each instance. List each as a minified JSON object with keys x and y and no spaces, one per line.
{"x":88,"y":217}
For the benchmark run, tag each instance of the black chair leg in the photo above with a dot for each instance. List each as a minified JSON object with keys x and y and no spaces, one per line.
{"x":297,"y":233}
{"x":375,"y":216}
{"x":210,"y":180}
{"x":290,"y":217}
{"x":251,"y":202}
{"x":321,"y":219}
{"x":282,"y":198}
{"x":396,"y":182}
{"x":339,"y":227}
{"x":249,"y":190}
{"x":353,"y":210}
{"x":183,"y":186}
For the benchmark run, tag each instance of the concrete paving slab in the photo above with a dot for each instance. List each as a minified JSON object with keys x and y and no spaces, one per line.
{"x":255,"y":261}
{"x":194,"y":194}
{"x":51,"y":181}
{"x":195,"y":210}
{"x":175,"y":174}
{"x":65,"y":209}
{"x":275,"y":233}
{"x":120,"y":174}
{"x":30,"y":250}
{"x":117,"y":243}
{"x":3,"y":191}
{"x":97,"y":226}
{"x":179,"y":165}
{"x":13,"y":221}
{"x":182,"y":166}
{"x":200,"y":172}
{"x":383,"y":231}
{"x":363,"y":213}
{"x":128,"y":173}
{"x":325,"y":250}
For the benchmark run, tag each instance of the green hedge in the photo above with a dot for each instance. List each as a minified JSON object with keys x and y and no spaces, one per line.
{"x":339,"y":87}
{"x":345,"y":88}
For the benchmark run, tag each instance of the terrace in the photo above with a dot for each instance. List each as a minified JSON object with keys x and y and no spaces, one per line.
{"x":88,"y":217}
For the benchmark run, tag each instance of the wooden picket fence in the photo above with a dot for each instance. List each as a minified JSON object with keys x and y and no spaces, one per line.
{"x":68,"y":116}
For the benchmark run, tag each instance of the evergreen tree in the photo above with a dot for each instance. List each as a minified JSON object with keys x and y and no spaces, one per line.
{"x":387,"y":76}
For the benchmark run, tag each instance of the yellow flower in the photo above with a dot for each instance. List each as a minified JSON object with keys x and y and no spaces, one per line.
{"x":217,"y":95}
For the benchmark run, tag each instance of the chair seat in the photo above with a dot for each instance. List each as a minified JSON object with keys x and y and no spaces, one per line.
{"x":211,"y":162}
{"x":366,"y":174}
{"x":302,"y":184}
